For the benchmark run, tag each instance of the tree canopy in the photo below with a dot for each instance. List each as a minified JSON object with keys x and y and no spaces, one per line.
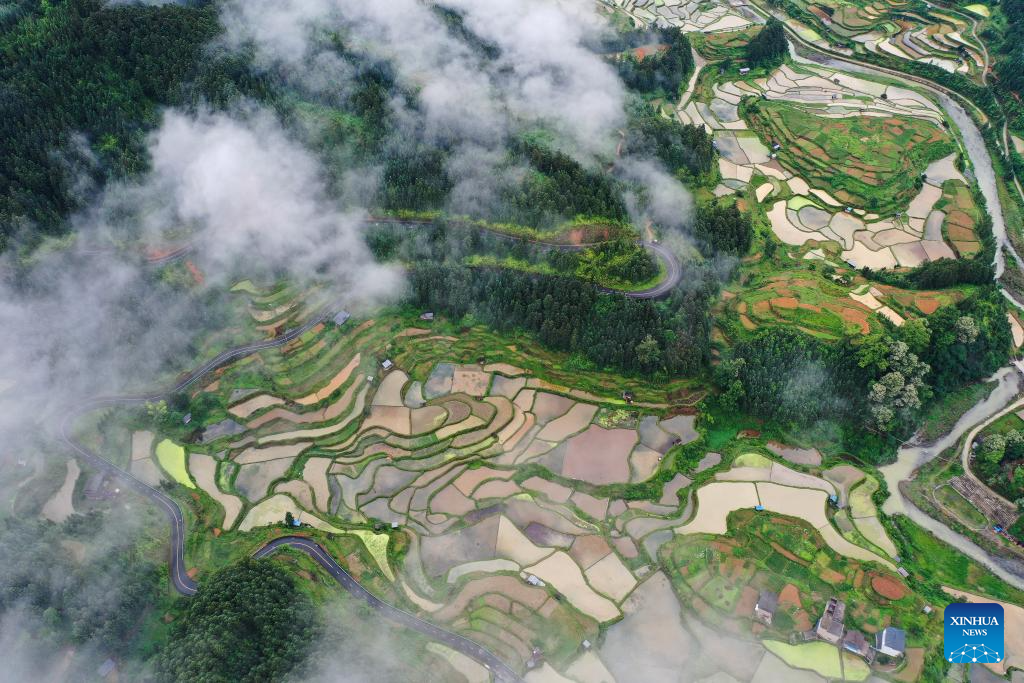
{"x":768,"y":48}
{"x":247,"y":622}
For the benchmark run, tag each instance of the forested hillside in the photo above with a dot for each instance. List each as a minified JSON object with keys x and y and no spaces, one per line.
{"x":82,"y":84}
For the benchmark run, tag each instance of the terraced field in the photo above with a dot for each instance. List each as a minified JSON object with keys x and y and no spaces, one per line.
{"x":867,"y":160}
{"x":513,"y":510}
{"x":690,"y":15}
{"x":820,"y":306}
{"x":918,"y":32}
{"x":840,"y":161}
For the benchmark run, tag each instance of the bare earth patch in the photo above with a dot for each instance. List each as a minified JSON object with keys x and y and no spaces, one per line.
{"x":247,"y":408}
{"x":59,"y":507}
{"x":142,"y":445}
{"x":389,"y":393}
{"x":801,"y":456}
{"x":578,"y":417}
{"x":599,"y":456}
{"x":888,"y":587}
{"x":204,"y":471}
{"x":610,"y":577}
{"x":561,"y":572}
{"x":336,"y":382}
{"x":272,"y":511}
{"x":471,"y":381}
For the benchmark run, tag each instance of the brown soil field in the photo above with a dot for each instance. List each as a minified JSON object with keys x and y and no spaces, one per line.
{"x":595,"y":507}
{"x":247,"y":408}
{"x":853,"y":316}
{"x":332,"y":385}
{"x":471,"y":381}
{"x":555,"y":492}
{"x":915,"y":664}
{"x":547,"y":406}
{"x":959,"y":218}
{"x":888,"y":587}
{"x":785,"y":302}
{"x":789,"y":596}
{"x":960,"y":234}
{"x":587,"y":550}
{"x":599,"y":456}
{"x":451,"y":501}
{"x":496,"y":489}
{"x":254,"y":455}
{"x":745,"y":605}
{"x":926,"y":305}
{"x":830,"y":576}
{"x":801,"y":456}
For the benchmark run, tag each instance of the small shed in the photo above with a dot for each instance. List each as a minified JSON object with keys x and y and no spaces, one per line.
{"x":428,"y":316}
{"x":106,"y":668}
{"x":341,"y":317}
{"x":855,"y":642}
{"x":387,"y":364}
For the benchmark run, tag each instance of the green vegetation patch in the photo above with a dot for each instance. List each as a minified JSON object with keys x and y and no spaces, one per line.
{"x":752,"y":460}
{"x":820,"y":657}
{"x":171,"y":457}
{"x":768,"y":552}
{"x":377,"y":546}
{"x":869,"y":161}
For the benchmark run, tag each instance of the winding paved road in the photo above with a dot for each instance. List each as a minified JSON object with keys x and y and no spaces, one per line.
{"x":501,"y":671}
{"x":180,"y":579}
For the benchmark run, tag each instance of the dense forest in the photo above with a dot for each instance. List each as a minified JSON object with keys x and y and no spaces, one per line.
{"x":247,"y":622}
{"x":768,"y":48}
{"x":877,"y":383}
{"x":82,"y":83}
{"x":620,"y":260}
{"x":68,"y":124}
{"x":723,"y":229}
{"x":60,"y":600}
{"x":566,"y":314}
{"x":684,"y":149}
{"x":1010,"y":65}
{"x":665,"y":71}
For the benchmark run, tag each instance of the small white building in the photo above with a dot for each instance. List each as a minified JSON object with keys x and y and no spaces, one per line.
{"x":387,"y":364}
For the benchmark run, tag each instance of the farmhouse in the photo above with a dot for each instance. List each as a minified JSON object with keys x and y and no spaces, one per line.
{"x":341,"y":318}
{"x":830,"y":626}
{"x":764,"y":610}
{"x":891,"y":641}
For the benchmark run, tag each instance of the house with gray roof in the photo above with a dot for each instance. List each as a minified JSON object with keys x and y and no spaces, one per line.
{"x":891,"y":641}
